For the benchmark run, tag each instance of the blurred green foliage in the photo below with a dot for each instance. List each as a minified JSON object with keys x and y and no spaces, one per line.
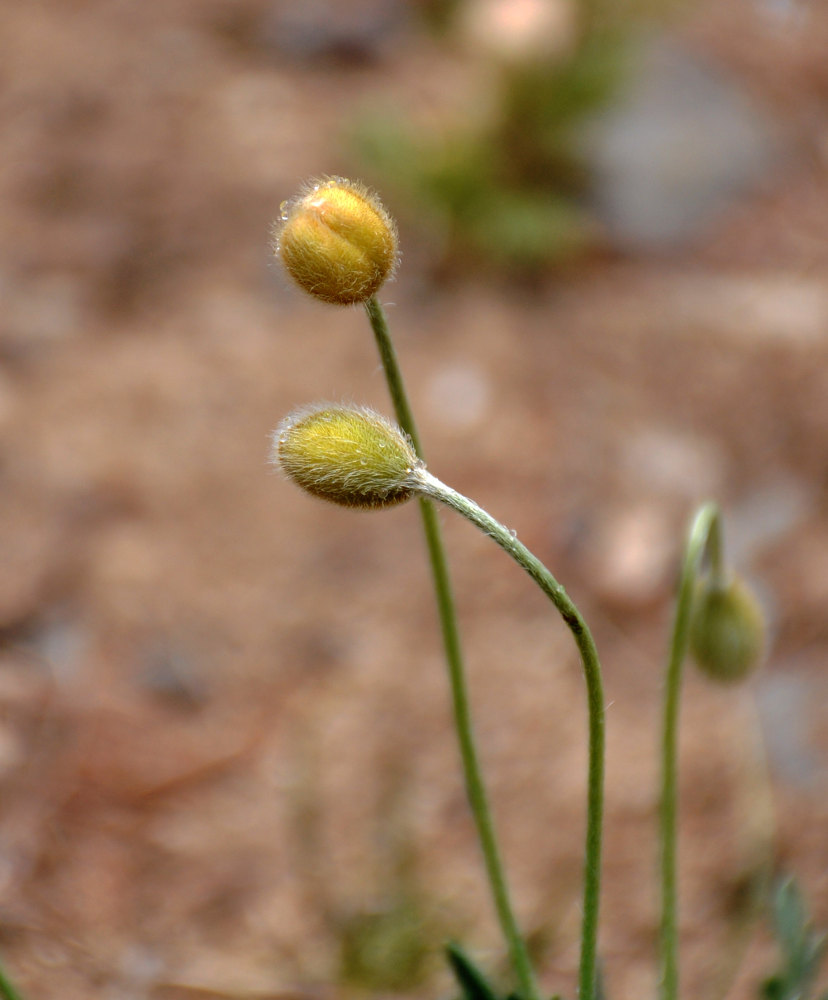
{"x":505,"y":186}
{"x":386,"y":949}
{"x":7,"y":990}
{"x":802,"y":948}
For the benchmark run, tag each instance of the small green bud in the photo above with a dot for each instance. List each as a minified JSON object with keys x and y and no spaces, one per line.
{"x":347,"y":454}
{"x":727,"y":631}
{"x":337,"y":241}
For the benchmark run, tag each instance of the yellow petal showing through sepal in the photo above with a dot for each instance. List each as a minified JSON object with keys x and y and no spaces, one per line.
{"x":337,"y":241}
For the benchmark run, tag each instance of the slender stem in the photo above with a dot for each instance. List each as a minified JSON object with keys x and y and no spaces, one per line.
{"x":587,"y":981}
{"x":704,"y":537}
{"x":475,"y":788}
{"x":393,"y":374}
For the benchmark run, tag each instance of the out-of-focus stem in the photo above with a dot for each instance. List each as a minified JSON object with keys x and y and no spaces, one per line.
{"x":703,"y":538}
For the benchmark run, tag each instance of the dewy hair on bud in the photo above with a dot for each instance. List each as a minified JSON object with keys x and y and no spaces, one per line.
{"x":727,"y":630}
{"x":349,"y":455}
{"x":337,"y":241}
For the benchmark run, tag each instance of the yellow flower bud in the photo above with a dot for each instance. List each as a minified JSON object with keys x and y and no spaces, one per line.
{"x":727,"y":631}
{"x":349,"y":455}
{"x":337,"y":241}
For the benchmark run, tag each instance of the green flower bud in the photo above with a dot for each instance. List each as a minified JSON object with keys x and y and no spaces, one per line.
{"x":349,"y":455}
{"x":727,"y":630}
{"x":337,"y":241}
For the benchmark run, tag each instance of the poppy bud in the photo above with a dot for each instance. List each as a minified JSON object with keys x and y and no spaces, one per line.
{"x":337,"y":241}
{"x":727,"y":631}
{"x":349,"y":455}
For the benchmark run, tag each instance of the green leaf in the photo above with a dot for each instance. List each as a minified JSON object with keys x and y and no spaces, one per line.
{"x":473,"y":982}
{"x":802,"y":948}
{"x":773,"y":989}
{"x":7,"y":990}
{"x":789,"y":917}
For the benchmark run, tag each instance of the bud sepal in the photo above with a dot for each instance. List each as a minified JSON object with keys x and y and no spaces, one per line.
{"x":349,"y":455}
{"x":727,"y":630}
{"x":337,"y":241}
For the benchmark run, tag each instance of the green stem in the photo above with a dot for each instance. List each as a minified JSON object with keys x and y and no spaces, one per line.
{"x":704,"y":537}
{"x":475,"y":789}
{"x":393,"y":374}
{"x":587,"y":980}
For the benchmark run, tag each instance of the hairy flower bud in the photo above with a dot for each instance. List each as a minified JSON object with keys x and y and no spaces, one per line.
{"x":337,"y":241}
{"x":349,"y":455}
{"x":727,"y":631}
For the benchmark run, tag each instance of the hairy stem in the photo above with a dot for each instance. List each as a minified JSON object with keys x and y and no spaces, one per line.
{"x":587,"y":980}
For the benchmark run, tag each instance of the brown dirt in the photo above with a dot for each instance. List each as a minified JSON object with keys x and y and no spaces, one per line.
{"x":223,"y":715}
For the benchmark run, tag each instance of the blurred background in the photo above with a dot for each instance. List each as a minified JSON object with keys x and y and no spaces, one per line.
{"x":226,"y":762}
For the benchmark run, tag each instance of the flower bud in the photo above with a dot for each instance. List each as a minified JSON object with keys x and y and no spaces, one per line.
{"x":337,"y":241}
{"x":349,"y":455}
{"x":727,"y":631}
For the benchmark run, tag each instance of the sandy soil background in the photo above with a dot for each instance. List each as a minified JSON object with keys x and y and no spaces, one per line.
{"x":224,"y":725}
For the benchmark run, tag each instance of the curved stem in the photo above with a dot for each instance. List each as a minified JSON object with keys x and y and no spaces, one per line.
{"x":475,"y":788}
{"x":704,"y":537}
{"x":430,"y":486}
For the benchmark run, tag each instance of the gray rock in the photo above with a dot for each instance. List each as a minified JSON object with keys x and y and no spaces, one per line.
{"x":679,"y":145}
{"x":324,"y":29}
{"x":786,"y":703}
{"x":766,"y":514}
